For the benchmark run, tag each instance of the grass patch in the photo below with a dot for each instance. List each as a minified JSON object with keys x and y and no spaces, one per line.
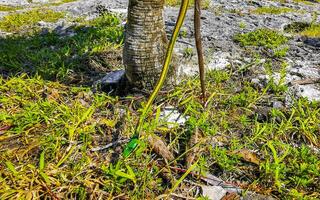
{"x":296,"y":27}
{"x":63,"y":115}
{"x":272,"y":10}
{"x":261,"y":37}
{"x":204,"y":4}
{"x":8,"y":8}
{"x":60,"y":2}
{"x":61,"y":58}
{"x":313,"y":31}
{"x":266,"y":38}
{"x":16,"y":22}
{"x":50,"y":129}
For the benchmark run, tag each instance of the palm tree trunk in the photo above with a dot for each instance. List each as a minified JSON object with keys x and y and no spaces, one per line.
{"x":145,"y":42}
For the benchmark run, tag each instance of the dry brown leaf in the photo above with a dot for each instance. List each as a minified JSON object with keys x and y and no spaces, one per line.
{"x":159,"y":147}
{"x":248,"y":156}
{"x":54,"y":95}
{"x":231,"y":196}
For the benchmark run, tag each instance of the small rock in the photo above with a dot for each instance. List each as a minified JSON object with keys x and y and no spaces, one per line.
{"x":315,"y":42}
{"x":305,"y":69}
{"x":213,"y":192}
{"x":258,"y":83}
{"x":122,"y":11}
{"x":187,"y":70}
{"x":173,"y":117}
{"x":219,"y":62}
{"x":311,"y":92}
{"x":277,"y":104}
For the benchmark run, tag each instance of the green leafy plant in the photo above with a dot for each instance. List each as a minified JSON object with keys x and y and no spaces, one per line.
{"x":276,"y":167}
{"x":273,"y":10}
{"x":266,"y":38}
{"x":261,"y":37}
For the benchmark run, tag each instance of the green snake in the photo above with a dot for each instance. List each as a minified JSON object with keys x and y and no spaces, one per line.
{"x":134,"y":141}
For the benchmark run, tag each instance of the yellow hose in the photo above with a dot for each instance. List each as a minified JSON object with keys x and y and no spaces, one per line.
{"x":133,"y":143}
{"x":165,"y":69}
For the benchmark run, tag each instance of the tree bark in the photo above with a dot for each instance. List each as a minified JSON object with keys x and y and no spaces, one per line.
{"x":145,"y":43}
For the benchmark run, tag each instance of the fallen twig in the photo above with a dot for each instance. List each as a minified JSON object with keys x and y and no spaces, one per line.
{"x":48,"y":190}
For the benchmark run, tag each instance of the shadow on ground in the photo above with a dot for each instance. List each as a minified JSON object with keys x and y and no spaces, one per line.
{"x":74,"y":55}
